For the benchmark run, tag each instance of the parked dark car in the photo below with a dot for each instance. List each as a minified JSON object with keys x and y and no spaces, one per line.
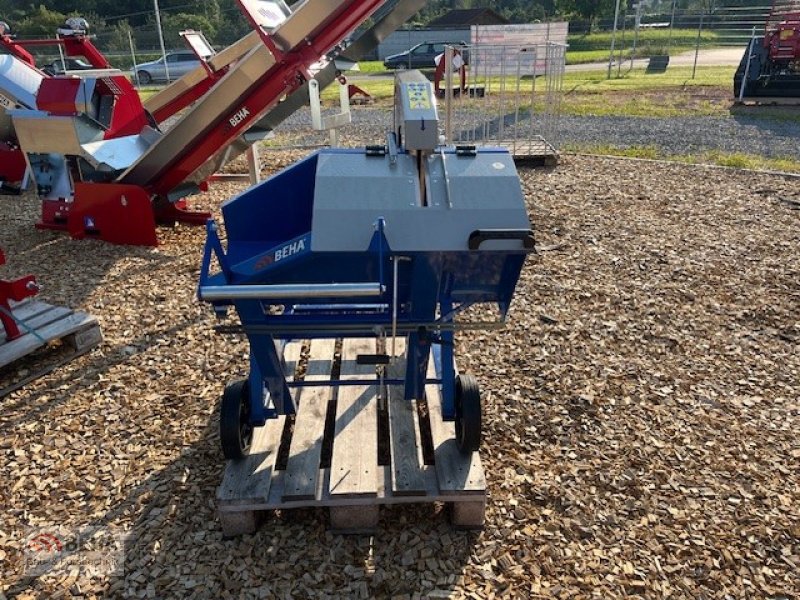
{"x":421,"y":56}
{"x":57,"y":67}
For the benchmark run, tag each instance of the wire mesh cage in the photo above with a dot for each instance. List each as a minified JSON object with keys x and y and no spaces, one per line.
{"x":504,"y":95}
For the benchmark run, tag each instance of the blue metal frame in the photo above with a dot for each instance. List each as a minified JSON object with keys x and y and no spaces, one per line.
{"x":429,"y":293}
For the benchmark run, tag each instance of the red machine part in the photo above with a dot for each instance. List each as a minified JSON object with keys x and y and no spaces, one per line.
{"x":116,"y":213}
{"x":125,"y":212}
{"x":441,"y":67}
{"x":356,"y":94}
{"x":15,"y":48}
{"x":59,"y":96}
{"x":73,"y":45}
{"x":289,"y":73}
{"x":14,"y":290}
{"x":12,"y":163}
{"x":62,"y":96}
{"x":783,"y":40}
{"x":189,"y":97}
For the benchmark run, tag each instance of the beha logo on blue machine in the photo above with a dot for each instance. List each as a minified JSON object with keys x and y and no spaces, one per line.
{"x":289,"y":250}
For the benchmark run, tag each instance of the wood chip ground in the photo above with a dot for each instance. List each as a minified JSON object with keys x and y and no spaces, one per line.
{"x":642,"y":412}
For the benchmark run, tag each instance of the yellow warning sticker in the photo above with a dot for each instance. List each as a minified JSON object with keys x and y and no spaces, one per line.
{"x":419,"y":97}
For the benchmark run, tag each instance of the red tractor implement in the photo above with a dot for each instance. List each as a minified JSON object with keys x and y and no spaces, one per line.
{"x":770,"y":67}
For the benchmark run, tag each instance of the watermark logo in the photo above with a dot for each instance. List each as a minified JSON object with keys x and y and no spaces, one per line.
{"x":45,"y":543}
{"x":93,"y":551}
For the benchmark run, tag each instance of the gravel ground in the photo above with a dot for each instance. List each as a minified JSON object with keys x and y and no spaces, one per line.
{"x":774,"y":138}
{"x":641,"y":412}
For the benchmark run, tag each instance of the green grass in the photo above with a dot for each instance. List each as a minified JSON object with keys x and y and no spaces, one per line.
{"x":371,"y":66}
{"x":738,"y":160}
{"x":581,"y":57}
{"x":637,"y":94}
{"x":146,"y":93}
{"x":637,"y":80}
{"x":647,"y":37}
{"x":634,"y":93}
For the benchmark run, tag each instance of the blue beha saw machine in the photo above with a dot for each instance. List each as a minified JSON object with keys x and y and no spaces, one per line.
{"x":393,"y":240}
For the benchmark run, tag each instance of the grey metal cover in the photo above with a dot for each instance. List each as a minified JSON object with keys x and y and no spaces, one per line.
{"x":269,"y":14}
{"x":464,"y":194}
{"x":198,"y":43}
{"x":19,"y":81}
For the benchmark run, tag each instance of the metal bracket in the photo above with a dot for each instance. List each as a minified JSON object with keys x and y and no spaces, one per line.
{"x":331,"y":122}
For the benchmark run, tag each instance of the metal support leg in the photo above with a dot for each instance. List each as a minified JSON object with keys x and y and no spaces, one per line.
{"x":448,"y":376}
{"x":267,"y":368}
{"x":254,"y":164}
{"x":417,"y":354}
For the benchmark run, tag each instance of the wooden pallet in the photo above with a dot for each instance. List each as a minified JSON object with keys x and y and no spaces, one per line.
{"x":473,"y":91}
{"x":42,"y":324}
{"x":528,"y":153}
{"x":354,"y":485}
{"x":768,"y":101}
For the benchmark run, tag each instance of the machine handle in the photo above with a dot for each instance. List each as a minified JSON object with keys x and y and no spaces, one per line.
{"x":289,"y":291}
{"x":477,"y":237}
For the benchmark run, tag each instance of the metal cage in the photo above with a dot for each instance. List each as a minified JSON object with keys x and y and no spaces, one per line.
{"x":504,"y":95}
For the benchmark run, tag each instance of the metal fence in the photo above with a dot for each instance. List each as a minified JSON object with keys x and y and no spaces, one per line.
{"x":510,"y":96}
{"x":645,"y":29}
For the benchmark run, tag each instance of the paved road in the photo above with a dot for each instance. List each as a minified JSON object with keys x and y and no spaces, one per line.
{"x":713,"y":57}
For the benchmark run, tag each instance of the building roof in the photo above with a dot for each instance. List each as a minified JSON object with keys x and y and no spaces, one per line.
{"x":469,"y":16}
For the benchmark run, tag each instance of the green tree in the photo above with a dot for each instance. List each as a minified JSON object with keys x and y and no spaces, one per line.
{"x":589,"y":10}
{"x":40,"y":22}
{"x":115,"y":37}
{"x":175,"y":23}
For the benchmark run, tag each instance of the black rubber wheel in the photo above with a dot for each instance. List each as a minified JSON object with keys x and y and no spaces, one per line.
{"x":468,"y":413}
{"x":235,"y":430}
{"x":144,"y":77}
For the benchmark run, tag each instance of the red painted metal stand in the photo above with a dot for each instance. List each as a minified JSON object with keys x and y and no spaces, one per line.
{"x":439,"y":75}
{"x":73,"y":46}
{"x":15,"y":290}
{"x":12,"y":166}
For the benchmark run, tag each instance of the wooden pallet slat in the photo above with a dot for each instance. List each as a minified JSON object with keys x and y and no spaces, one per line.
{"x":43,"y":318}
{"x":76,"y":330}
{"x":248,"y":481}
{"x":303,"y":467}
{"x":49,"y":324}
{"x":25,"y":311}
{"x":457,"y":472}
{"x":408,"y":477}
{"x":355,"y":445}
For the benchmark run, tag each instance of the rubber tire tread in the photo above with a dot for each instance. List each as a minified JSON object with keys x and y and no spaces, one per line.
{"x":233,"y":400}
{"x":468,"y":414}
